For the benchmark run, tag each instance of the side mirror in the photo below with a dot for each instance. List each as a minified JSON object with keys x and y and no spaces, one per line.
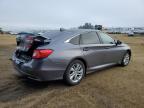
{"x":118,"y":42}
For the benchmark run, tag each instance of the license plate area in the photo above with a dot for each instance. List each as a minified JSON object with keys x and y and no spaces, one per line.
{"x":17,"y":61}
{"x":22,"y":48}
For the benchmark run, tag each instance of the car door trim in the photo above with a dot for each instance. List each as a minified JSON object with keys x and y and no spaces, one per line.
{"x":90,"y":45}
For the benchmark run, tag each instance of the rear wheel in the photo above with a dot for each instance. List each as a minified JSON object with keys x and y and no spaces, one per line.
{"x":75,"y":72}
{"x":126,"y":59}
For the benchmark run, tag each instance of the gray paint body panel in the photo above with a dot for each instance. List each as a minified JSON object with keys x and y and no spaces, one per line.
{"x":54,"y":66}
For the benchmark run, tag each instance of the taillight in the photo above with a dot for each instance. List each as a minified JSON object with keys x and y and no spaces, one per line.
{"x":41,"y":53}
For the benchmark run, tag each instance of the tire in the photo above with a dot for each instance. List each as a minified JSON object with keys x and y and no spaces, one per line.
{"x":74,"y":72}
{"x":126,"y":59}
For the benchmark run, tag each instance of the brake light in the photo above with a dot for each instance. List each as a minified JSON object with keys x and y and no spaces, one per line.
{"x":41,"y":53}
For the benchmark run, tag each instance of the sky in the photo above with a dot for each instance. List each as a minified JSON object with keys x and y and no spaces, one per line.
{"x":70,"y":13}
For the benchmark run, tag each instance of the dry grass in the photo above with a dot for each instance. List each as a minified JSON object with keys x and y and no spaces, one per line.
{"x":116,"y":87}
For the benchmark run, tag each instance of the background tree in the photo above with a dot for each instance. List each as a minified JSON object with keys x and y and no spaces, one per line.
{"x":86,"y":26}
{"x":1,"y":31}
{"x":90,"y":26}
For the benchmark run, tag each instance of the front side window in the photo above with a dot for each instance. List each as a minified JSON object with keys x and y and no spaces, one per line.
{"x":106,"y":39}
{"x":89,"y":38}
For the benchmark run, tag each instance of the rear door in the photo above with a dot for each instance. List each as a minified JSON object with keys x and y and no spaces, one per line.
{"x":112,"y":52}
{"x":92,"y":49}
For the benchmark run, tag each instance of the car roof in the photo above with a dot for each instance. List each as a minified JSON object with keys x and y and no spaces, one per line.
{"x":66,"y":33}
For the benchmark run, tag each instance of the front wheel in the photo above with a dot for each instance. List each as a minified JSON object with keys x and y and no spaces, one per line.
{"x":75,"y":72}
{"x":126,"y":59}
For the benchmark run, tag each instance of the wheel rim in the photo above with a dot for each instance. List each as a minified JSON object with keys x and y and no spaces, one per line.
{"x":126,"y":59}
{"x":76,"y":72}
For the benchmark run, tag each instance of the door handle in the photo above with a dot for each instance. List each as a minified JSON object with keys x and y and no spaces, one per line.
{"x":85,"y":49}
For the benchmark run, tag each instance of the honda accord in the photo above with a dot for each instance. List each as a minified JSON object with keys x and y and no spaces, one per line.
{"x":67,"y":54}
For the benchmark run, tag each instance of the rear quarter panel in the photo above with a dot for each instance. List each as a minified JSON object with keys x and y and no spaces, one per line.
{"x":63,"y":54}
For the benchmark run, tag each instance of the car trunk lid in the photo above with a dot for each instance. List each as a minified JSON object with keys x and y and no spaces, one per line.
{"x":26,"y":45}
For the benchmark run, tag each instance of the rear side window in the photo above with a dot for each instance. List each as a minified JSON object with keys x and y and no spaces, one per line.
{"x":75,"y":40}
{"x":89,"y":38}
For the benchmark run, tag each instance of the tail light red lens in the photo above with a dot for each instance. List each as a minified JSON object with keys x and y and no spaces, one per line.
{"x":41,"y":53}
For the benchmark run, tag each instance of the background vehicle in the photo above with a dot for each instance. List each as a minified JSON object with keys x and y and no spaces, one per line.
{"x":68,"y":54}
{"x":130,"y":33}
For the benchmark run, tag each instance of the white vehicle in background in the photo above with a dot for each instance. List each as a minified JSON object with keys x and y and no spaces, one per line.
{"x":130,"y":33}
{"x":13,"y":33}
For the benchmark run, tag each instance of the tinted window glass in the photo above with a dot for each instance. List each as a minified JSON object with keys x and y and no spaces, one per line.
{"x":106,"y":39}
{"x":89,"y":38}
{"x":75,"y":40}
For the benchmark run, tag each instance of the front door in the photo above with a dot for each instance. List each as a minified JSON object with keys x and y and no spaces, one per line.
{"x":112,"y":51}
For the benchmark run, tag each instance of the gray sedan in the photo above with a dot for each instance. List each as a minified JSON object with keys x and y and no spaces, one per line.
{"x":67,"y":54}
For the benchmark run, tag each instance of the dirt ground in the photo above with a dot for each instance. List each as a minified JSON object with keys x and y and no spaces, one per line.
{"x":115,"y":87}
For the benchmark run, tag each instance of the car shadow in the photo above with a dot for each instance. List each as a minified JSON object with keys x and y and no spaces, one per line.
{"x":32,"y":84}
{"x":18,"y":87}
{"x":21,"y":87}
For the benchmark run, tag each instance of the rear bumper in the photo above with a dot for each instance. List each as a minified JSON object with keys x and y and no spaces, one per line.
{"x":39,"y":70}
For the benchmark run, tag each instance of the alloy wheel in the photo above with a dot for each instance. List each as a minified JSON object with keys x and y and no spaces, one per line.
{"x":76,"y":72}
